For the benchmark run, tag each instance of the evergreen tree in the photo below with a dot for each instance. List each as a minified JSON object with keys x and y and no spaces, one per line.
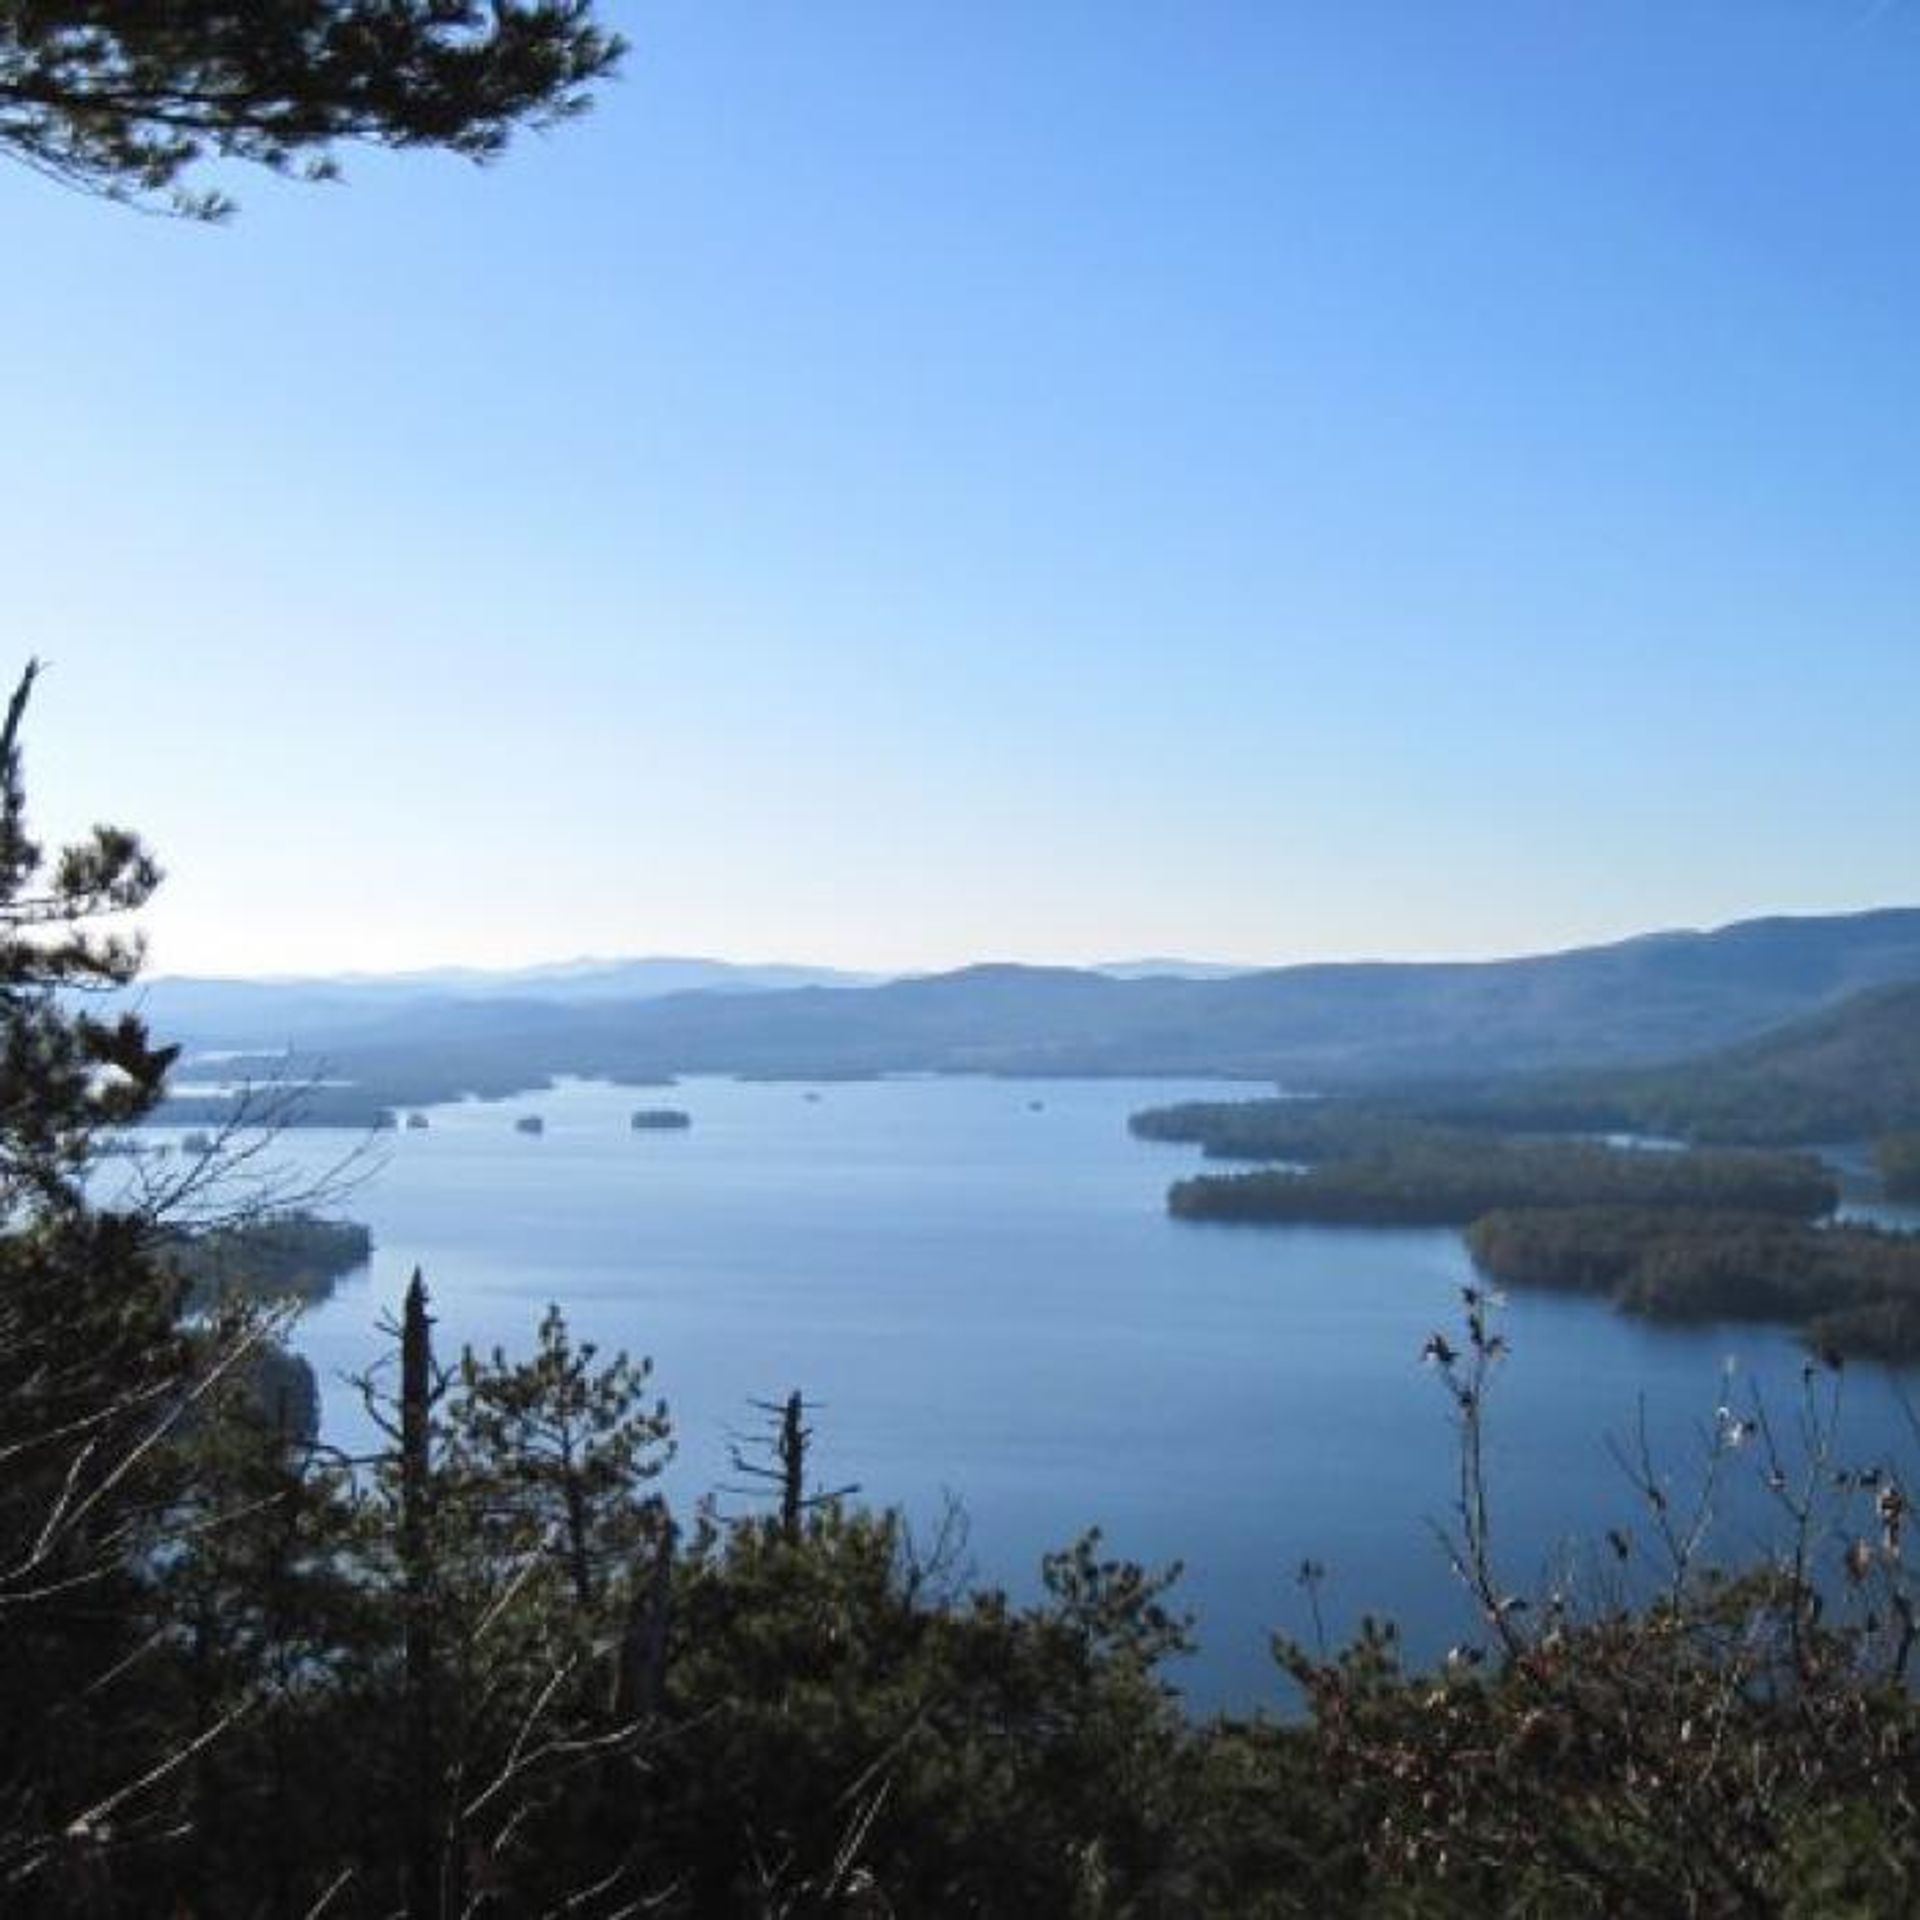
{"x":129,"y":101}
{"x":565,"y":1447}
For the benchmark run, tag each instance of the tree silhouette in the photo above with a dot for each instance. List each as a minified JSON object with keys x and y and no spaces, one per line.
{"x":131,"y":101}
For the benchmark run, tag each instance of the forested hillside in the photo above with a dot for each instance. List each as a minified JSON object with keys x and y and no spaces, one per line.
{"x":1849,"y":1072}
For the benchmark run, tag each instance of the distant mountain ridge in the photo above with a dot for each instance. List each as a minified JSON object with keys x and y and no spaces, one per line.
{"x":301,"y":1010}
{"x":243,"y":1010}
{"x":1635,"y":1002}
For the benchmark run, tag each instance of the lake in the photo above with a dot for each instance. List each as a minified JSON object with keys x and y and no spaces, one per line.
{"x":978,"y":1281}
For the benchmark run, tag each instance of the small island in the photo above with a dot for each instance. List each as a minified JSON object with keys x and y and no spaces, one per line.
{"x":660,"y":1119}
{"x":530,"y":1123}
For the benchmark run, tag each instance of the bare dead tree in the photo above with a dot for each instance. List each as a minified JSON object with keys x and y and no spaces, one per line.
{"x":785,"y":1465}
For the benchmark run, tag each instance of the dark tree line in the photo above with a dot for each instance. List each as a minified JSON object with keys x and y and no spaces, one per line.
{"x":1436,"y":1178}
{"x":1850,"y":1288}
{"x":136,"y":101}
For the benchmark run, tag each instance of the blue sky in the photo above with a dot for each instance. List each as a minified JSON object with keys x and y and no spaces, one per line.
{"x":902,"y":484}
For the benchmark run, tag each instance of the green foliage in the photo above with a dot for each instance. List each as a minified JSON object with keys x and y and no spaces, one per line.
{"x":133,"y":1451}
{"x":1692,"y":1234}
{"x":562,"y":1447}
{"x":1846,"y":1073}
{"x":1310,"y":1131}
{"x":848,"y":1725}
{"x":131,"y":101}
{"x":265,"y":1614}
{"x":831,"y":1719}
{"x":289,"y":1254}
{"x":65,"y":1077}
{"x":1429,"y":1178}
{"x":1853,"y":1288}
{"x":94,"y":1371}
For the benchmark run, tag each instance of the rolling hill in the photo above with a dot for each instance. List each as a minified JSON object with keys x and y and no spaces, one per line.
{"x":1847,"y":1073}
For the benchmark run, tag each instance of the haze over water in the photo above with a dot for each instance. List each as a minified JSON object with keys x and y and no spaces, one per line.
{"x":978,"y":1280}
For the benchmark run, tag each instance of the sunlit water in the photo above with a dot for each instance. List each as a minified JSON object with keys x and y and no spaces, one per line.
{"x":979,"y":1282}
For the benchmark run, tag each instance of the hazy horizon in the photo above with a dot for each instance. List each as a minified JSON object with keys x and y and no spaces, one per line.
{"x":561,"y":963}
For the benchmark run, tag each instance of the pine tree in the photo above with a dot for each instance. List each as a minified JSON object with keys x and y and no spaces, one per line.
{"x":97,"y":1378}
{"x":131,"y":102}
{"x":516,"y":1555}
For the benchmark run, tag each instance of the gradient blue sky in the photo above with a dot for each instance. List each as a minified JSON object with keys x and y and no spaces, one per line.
{"x":903,"y":483}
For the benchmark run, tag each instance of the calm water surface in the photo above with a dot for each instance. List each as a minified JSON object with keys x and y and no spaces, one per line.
{"x":979,"y":1282}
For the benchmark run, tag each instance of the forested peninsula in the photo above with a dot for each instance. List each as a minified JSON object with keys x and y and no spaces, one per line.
{"x":250,"y":1263}
{"x":1850,"y":1289}
{"x":1432,"y":1176}
{"x":292,"y":1254}
{"x":1663,"y":1230}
